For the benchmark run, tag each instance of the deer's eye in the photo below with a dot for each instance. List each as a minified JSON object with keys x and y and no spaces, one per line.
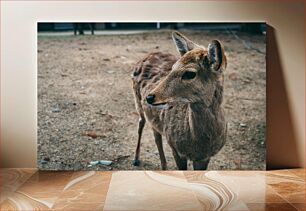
{"x":189,"y":75}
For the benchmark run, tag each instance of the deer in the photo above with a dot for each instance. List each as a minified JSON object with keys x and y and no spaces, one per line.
{"x":181,"y":98}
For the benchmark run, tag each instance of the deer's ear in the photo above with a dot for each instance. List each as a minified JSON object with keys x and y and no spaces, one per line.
{"x":183,"y":44}
{"x":216,"y":56}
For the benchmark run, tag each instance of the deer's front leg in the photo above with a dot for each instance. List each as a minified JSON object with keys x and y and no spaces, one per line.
{"x":141,"y":125}
{"x":181,"y":163}
{"x":159,"y":144}
{"x":200,"y":165}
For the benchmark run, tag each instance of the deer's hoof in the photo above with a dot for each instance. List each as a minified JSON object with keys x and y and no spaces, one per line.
{"x":136,"y":162}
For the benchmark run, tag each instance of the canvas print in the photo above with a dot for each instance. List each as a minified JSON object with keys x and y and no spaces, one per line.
{"x":151,"y":96}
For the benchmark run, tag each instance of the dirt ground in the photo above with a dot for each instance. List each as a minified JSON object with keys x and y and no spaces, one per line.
{"x":86,"y":107}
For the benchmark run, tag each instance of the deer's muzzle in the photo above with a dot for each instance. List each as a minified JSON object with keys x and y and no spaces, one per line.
{"x":151,"y":100}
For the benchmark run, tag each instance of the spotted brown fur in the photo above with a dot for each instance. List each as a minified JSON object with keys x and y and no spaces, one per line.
{"x":153,"y":67}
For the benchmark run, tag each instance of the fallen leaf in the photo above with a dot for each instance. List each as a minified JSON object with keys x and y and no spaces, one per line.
{"x":233,"y":76}
{"x":93,"y":134}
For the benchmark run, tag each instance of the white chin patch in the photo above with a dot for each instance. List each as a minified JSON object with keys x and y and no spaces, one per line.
{"x":161,"y":106}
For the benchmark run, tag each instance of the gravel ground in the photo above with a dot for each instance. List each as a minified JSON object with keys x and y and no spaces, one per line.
{"x":86,"y":107}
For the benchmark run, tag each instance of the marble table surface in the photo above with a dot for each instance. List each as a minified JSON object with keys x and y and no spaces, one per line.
{"x":30,"y":189}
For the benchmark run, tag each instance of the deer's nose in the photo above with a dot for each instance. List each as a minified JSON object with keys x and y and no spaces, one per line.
{"x":150,"y":99}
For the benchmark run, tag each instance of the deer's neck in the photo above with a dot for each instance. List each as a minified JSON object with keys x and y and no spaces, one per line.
{"x":206,"y":118}
{"x":215,"y":105}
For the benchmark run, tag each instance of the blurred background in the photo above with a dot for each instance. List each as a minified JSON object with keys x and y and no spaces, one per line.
{"x":79,"y":28}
